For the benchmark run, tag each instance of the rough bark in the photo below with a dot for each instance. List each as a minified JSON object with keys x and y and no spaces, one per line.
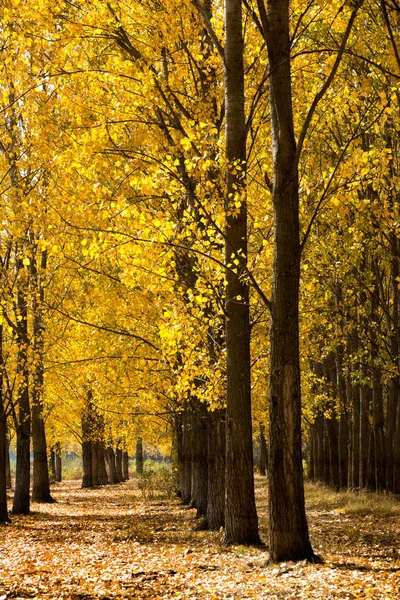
{"x":87,"y":450}
{"x":111,"y":464}
{"x":95,"y":463}
{"x":199,"y":461}
{"x":216,"y":471}
{"x":41,"y":482}
{"x":177,"y":456}
{"x":21,"y":503}
{"x":241,"y":523}
{"x":186,"y":472}
{"x":52,"y":466}
{"x":289,"y":539}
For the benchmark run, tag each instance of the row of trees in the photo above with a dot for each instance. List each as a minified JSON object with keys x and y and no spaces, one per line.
{"x":199,"y":205}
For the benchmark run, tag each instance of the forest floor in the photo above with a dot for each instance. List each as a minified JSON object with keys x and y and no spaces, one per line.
{"x":109,"y":543}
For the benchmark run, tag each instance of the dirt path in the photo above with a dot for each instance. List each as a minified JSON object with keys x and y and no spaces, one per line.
{"x":108,"y":543}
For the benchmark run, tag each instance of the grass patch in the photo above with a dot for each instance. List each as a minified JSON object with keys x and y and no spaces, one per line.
{"x":319,"y":496}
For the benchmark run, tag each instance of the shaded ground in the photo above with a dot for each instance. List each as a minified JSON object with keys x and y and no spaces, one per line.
{"x":110,"y":544}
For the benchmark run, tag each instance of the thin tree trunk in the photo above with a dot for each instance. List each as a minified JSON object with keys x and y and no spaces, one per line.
{"x":371,"y":480}
{"x":125,"y":465}
{"x":354,"y":397}
{"x":263,"y":466}
{"x":343,"y":440}
{"x":186,"y":472}
{"x":95,"y":462}
{"x":365,"y":397}
{"x":4,"y":518}
{"x":87,"y":445}
{"x":199,"y":461}
{"x":216,"y":471}
{"x":332,"y":428}
{"x":393,"y":408}
{"x":57,"y":463}
{"x":118,"y":462}
{"x":139,"y":457}
{"x":52,"y":466}
{"x":41,"y":482}
{"x":177,"y":456}
{"x":313,"y":452}
{"x":241,"y":523}
{"x":320,"y":433}
{"x":396,"y":458}
{"x":378,"y":419}
{"x":21,"y":503}
{"x":8,"y":464}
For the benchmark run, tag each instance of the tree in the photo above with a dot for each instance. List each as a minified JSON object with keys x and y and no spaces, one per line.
{"x":241,"y":524}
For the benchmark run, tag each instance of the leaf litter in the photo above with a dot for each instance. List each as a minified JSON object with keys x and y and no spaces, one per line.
{"x":109,"y":544}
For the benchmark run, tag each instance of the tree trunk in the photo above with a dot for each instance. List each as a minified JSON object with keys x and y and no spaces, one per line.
{"x":87,"y":460}
{"x":332,"y":429}
{"x":52,"y":466}
{"x":112,"y":467}
{"x":378,"y":419}
{"x":370,"y":480}
{"x":87,"y":445}
{"x":365,"y":397}
{"x":241,"y":523}
{"x":177,"y":451}
{"x":354,"y":397}
{"x":313,"y":453}
{"x":199,"y":461}
{"x":8,"y":464}
{"x":118,"y":462}
{"x":343,"y":439}
{"x":216,"y":471}
{"x":393,"y":326}
{"x":21,"y":503}
{"x":95,"y":462}
{"x":4,"y":518}
{"x":320,"y":434}
{"x":263,"y":466}
{"x":41,"y":482}
{"x":57,"y":463}
{"x":186,"y":471}
{"x":396,"y":457}
{"x":125,"y":465}
{"x":139,"y":457}
{"x":289,"y":538}
{"x":103,"y":477}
